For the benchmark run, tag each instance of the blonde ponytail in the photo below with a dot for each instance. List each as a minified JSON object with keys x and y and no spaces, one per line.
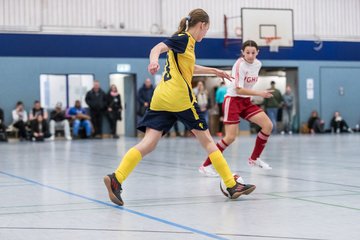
{"x":195,"y":16}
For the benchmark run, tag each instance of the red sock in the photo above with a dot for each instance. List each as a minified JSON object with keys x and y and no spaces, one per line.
{"x":260,"y":143}
{"x":221,"y":145}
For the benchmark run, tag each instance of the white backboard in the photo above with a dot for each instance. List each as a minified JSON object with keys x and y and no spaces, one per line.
{"x":259,"y":24}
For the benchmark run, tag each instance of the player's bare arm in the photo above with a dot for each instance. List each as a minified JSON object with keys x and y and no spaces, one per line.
{"x":208,"y":70}
{"x":251,"y":92}
{"x":154,"y":66}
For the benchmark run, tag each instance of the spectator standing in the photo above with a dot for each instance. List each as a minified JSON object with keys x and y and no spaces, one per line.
{"x":219,"y":99}
{"x":114,"y":108}
{"x":203,"y":101}
{"x":96,"y":100}
{"x":145,"y":94}
{"x":58,"y":120}
{"x":20,"y":119}
{"x":3,"y":136}
{"x":80,"y":119}
{"x":288,"y":106}
{"x":273,"y":104}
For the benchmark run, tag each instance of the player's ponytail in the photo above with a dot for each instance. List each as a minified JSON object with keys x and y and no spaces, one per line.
{"x":182,"y":26}
{"x":195,"y":16}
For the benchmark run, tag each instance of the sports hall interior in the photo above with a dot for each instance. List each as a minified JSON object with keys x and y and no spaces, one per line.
{"x":53,"y":50}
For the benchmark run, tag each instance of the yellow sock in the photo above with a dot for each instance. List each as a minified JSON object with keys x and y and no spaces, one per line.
{"x":127,"y":165}
{"x":221,"y":166}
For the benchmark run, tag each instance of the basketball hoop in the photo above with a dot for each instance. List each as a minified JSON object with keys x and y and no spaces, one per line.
{"x":273,"y":45}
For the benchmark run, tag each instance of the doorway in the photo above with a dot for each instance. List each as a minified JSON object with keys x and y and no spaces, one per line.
{"x":282,"y":77}
{"x":126,"y":85}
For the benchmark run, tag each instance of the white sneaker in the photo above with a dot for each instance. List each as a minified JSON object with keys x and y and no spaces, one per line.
{"x":68,"y":138}
{"x":208,"y":171}
{"x":259,"y":163}
{"x":52,"y":138}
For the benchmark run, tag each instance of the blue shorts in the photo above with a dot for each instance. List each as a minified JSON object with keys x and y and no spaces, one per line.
{"x":163,"y":121}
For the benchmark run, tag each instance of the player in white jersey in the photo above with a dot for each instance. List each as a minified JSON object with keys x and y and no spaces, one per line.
{"x":237,"y":104}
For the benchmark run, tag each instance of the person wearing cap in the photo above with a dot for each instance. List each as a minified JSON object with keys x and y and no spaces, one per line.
{"x":58,"y":121}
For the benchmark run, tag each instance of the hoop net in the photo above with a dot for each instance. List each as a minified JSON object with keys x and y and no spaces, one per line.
{"x":273,"y":45}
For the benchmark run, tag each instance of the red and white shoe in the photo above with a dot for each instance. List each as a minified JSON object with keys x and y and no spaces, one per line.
{"x":259,"y":164}
{"x":208,"y":171}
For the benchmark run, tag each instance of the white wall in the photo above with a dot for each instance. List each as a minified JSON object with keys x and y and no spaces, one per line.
{"x":325,"y":19}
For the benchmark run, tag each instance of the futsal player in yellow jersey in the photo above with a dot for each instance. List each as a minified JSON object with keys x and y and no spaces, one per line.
{"x":174,"y":100}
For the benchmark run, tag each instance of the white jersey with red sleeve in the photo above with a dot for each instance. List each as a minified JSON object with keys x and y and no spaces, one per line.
{"x":245,"y":76}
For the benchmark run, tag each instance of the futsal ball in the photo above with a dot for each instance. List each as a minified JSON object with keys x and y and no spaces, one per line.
{"x":223,"y":187}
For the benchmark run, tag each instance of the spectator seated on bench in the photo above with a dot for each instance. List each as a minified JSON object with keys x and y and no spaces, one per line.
{"x":58,"y":121}
{"x":79,"y":119}
{"x":20,"y":119}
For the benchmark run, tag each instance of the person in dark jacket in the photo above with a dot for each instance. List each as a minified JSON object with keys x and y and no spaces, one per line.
{"x":338,"y":124}
{"x":96,"y":100}
{"x":315,"y":123}
{"x":35,"y":112}
{"x":3,"y":136}
{"x":273,"y":104}
{"x":144,"y":97}
{"x":58,"y":120}
{"x":2,"y":125}
{"x":114,"y":108}
{"x":38,"y":110}
{"x":39,"y":129}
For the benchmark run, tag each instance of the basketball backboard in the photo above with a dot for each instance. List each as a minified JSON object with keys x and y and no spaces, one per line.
{"x":268,"y":26}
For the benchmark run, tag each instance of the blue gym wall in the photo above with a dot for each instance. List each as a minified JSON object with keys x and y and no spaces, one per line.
{"x":24,"y":57}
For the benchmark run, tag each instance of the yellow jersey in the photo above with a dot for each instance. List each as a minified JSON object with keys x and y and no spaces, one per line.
{"x":174,"y":92}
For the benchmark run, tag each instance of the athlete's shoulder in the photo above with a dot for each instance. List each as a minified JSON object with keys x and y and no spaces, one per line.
{"x":257,"y":62}
{"x":177,"y":42}
{"x":238,"y":62}
{"x":241,"y":63}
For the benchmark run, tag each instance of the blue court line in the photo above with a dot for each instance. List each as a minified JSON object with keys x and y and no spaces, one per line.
{"x":161,"y":220}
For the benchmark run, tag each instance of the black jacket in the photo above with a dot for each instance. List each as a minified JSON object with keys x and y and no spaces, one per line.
{"x":96,"y":101}
{"x":2,"y":125}
{"x":1,"y":116}
{"x":114,"y":102}
{"x":57,"y":116}
{"x":36,"y":112}
{"x":145,"y":94}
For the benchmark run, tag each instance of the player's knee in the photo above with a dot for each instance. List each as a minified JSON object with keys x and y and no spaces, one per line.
{"x":229,"y":139}
{"x":267,"y":127}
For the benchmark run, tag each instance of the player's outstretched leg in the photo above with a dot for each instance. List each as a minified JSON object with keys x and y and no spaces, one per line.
{"x":234,"y":189}
{"x":262,"y":120}
{"x":114,"y":181}
{"x":206,"y":168}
